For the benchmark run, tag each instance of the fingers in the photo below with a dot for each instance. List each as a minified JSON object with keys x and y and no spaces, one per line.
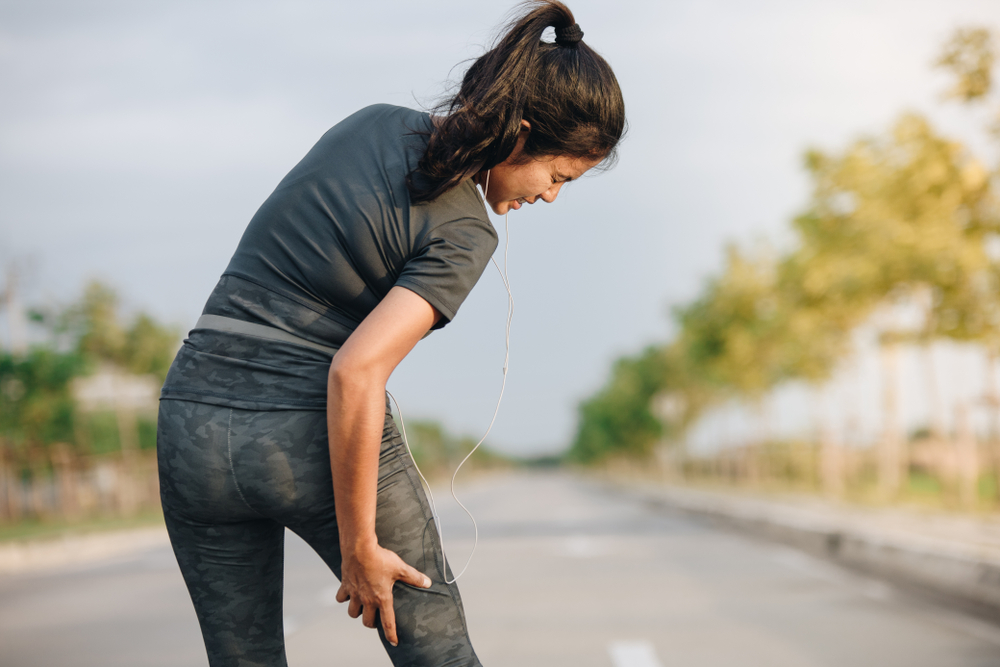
{"x":388,"y":615}
{"x":408,"y":575}
{"x":413,"y":576}
{"x":371,"y":596}
{"x":368,"y":616}
{"x":354,"y":609}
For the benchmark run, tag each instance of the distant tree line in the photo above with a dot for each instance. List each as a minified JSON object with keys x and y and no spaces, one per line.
{"x":438,"y":452}
{"x":908,"y":217}
{"x":37,"y":409}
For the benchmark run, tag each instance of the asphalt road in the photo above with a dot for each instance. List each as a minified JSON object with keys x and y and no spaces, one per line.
{"x":565,"y":574}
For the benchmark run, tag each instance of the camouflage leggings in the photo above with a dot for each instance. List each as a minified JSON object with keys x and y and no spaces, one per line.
{"x":231,"y":480}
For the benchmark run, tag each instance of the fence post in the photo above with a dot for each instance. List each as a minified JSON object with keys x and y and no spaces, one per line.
{"x":967,"y":456}
{"x":890,"y":454}
{"x":66,"y":481}
{"x":831,"y":464}
{"x":10,"y":489}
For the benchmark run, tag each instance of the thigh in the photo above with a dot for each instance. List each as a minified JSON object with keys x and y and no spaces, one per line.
{"x":430,"y":622}
{"x":230,"y":555}
{"x":234,"y":575}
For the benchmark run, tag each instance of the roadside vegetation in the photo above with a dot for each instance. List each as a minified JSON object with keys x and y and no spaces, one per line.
{"x":71,"y":462}
{"x":78,"y":419}
{"x":900,"y":233}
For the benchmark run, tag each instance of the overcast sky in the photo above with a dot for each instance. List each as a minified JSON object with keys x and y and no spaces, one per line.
{"x":137,"y":140}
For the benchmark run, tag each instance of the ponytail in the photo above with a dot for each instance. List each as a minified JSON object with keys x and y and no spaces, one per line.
{"x":564,"y":89}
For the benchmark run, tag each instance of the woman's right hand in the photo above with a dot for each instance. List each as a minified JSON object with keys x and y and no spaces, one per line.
{"x":367,"y":578}
{"x":355,"y":416}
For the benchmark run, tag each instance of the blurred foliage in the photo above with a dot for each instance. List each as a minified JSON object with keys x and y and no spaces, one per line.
{"x":969,"y":56}
{"x":93,"y":327}
{"x":35,"y":402}
{"x":36,"y":406}
{"x":620,"y":417}
{"x":438,"y":452}
{"x":97,"y":432}
{"x":905,"y":216}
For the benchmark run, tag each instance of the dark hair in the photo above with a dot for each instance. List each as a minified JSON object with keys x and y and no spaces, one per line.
{"x":564,"y":89}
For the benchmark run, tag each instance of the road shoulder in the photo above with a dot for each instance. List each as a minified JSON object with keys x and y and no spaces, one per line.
{"x":951,"y":556}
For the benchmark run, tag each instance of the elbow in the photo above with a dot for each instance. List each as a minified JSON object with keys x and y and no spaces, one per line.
{"x":349,"y":374}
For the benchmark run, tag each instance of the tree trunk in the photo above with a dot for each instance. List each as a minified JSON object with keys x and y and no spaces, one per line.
{"x":966,"y":456}
{"x":10,"y":487}
{"x":66,"y":481}
{"x":934,"y":405}
{"x":993,"y":405}
{"x":765,"y":437}
{"x":891,"y":455}
{"x":831,"y":455}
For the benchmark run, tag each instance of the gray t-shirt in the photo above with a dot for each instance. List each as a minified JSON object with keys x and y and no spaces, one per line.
{"x":322,"y":251}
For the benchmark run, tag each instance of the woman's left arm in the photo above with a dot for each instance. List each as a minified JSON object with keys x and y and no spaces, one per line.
{"x":355,"y":416}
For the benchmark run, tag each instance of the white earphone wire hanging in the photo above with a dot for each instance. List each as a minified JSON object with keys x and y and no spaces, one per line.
{"x":506,"y":362}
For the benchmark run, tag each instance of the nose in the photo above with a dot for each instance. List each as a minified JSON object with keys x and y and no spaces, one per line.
{"x":550,"y":195}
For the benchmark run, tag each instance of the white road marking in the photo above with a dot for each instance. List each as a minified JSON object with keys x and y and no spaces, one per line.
{"x":633,"y":654}
{"x":580,"y":546}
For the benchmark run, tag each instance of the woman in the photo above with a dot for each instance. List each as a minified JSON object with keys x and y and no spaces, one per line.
{"x":372,"y":240}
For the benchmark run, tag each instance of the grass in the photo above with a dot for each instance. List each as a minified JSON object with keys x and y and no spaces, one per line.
{"x":780,"y":473}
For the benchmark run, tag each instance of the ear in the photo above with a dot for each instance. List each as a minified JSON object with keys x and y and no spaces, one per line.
{"x":525,"y":126}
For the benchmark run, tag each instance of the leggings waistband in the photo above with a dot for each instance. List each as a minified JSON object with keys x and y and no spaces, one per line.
{"x":230,"y":325}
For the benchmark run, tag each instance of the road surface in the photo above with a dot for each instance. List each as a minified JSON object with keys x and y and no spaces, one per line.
{"x":565,"y":574}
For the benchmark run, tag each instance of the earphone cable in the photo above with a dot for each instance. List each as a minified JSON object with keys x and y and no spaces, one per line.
{"x":506,"y":364}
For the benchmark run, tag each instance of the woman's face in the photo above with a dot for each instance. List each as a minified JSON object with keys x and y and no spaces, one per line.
{"x":512,"y":184}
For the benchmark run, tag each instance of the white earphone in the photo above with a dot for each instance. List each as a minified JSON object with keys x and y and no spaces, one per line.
{"x":506,"y":360}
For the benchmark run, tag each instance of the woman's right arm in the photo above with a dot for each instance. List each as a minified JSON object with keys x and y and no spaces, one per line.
{"x":355,"y":416}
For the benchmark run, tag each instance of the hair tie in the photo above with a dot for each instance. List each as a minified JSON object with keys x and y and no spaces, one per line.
{"x":569,"y":36}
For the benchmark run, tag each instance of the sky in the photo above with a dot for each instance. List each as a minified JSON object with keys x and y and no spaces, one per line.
{"x":137,"y":140}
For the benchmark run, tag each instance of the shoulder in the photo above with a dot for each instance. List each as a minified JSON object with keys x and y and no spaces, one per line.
{"x":460,"y":207}
{"x":380,"y":133}
{"x":389,"y":115}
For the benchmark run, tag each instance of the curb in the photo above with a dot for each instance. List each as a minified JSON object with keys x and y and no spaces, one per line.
{"x":72,"y":550}
{"x":965,"y":573}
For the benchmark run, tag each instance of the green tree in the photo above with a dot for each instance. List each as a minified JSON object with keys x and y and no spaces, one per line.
{"x":94,"y":328}
{"x":891,"y":218}
{"x":149,"y":347}
{"x":619,"y":418}
{"x":437,"y":452}
{"x":36,"y":408}
{"x":969,"y":56}
{"x":733,"y":333}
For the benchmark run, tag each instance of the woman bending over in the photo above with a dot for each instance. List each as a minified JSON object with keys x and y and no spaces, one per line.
{"x":274,"y":412}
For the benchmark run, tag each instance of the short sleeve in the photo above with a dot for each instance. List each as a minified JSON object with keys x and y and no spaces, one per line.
{"x":448,"y":264}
